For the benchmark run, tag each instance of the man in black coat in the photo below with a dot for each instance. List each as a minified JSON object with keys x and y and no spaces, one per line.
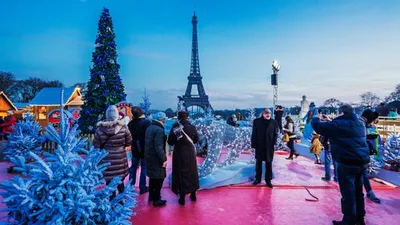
{"x":138,"y":126}
{"x":263,"y":140}
{"x":348,"y":139}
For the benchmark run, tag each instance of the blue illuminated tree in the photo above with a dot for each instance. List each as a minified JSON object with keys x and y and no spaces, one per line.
{"x":24,"y":139}
{"x":145,"y":105}
{"x":105,"y":85}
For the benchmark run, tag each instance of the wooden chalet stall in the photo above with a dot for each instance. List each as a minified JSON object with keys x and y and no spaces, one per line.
{"x":6,"y":104}
{"x":46,"y":104}
{"x":388,"y":125}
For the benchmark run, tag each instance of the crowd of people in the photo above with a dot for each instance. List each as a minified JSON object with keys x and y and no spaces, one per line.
{"x":147,"y":141}
{"x":349,"y":141}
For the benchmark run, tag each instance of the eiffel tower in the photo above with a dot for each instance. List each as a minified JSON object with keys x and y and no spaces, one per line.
{"x":200,"y":98}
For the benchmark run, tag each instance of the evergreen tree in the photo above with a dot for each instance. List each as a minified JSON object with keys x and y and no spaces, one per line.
{"x":24,"y":139}
{"x":391,"y":151}
{"x":105,"y":86}
{"x":145,"y":105}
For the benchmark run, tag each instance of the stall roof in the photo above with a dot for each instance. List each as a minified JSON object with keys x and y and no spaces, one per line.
{"x":51,"y":96}
{"x":2,"y":94}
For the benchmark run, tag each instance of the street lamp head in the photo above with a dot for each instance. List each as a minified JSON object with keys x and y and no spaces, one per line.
{"x":275,"y":65}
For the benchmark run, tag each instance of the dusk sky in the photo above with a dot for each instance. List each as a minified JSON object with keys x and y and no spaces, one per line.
{"x":326,"y":48}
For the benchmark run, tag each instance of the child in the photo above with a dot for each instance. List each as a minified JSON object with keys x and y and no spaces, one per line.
{"x":316,"y":147}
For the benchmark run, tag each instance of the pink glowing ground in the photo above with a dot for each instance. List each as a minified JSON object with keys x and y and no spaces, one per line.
{"x":285,"y":204}
{"x":247,"y":205}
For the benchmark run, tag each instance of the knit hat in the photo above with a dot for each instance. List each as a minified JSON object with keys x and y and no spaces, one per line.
{"x":159,"y":116}
{"x":182,"y":115}
{"x":112,"y":113}
{"x":370,"y":115}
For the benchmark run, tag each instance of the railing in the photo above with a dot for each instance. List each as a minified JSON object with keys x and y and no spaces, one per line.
{"x":387,"y":125}
{"x":50,"y":146}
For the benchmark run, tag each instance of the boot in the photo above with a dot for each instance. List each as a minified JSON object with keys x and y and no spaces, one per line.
{"x":181,"y":200}
{"x":290,"y":158}
{"x":144,"y":190}
{"x":193,"y":196}
{"x":159,"y":203}
{"x":296,"y":155}
{"x":325,"y":179}
{"x":360,"y":222}
{"x":269,"y":184}
{"x":256,"y":182}
{"x":371,"y":195}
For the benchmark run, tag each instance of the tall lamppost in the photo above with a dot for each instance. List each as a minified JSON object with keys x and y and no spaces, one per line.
{"x":274,"y":82}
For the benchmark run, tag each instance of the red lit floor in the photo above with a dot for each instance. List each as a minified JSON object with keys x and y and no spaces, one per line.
{"x":261,"y":205}
{"x":285,"y":204}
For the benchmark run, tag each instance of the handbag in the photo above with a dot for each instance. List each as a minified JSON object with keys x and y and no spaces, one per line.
{"x":285,"y":137}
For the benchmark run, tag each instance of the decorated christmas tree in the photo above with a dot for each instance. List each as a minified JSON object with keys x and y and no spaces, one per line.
{"x":105,"y":86}
{"x":24,"y":139}
{"x":65,"y":188}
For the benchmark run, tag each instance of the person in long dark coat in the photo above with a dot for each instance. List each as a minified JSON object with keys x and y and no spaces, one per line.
{"x":263,"y":140}
{"x":156,"y":157}
{"x":185,"y":178}
{"x":114,"y":137}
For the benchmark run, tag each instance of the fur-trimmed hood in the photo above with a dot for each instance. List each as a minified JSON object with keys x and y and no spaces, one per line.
{"x":110,"y":127}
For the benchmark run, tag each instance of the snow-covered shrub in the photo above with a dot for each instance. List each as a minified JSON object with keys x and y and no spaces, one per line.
{"x":24,"y":139}
{"x":64,"y":188}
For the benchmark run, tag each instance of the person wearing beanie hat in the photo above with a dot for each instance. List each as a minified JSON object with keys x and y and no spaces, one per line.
{"x":9,"y":122}
{"x":183,"y":115}
{"x":156,"y":158}
{"x":374,"y":142}
{"x":113,"y":136}
{"x":160,"y":116}
{"x":138,"y":126}
{"x":185,"y":178}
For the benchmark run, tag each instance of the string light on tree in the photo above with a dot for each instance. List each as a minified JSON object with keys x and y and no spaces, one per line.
{"x":221,"y":136}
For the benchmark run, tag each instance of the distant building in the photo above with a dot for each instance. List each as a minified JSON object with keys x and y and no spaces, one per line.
{"x":45,"y":105}
{"x":6,"y":104}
